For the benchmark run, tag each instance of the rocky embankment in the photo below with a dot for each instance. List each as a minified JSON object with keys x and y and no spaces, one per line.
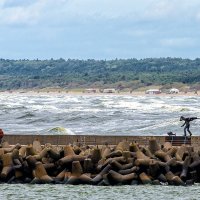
{"x":99,"y":165}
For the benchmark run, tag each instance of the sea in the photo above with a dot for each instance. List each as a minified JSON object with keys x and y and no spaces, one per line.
{"x":89,"y":114}
{"x":82,"y":114}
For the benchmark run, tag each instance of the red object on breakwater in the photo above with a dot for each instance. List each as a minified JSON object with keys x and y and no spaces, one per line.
{"x":1,"y":134}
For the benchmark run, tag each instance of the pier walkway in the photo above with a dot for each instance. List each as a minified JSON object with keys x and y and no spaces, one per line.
{"x":99,"y":140}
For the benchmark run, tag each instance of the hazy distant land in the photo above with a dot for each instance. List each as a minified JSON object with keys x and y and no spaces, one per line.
{"x":124,"y":75}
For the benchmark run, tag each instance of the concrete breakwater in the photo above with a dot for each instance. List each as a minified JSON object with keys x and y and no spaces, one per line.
{"x":127,"y":162}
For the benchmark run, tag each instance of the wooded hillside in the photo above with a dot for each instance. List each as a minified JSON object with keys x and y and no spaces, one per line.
{"x":71,"y":73}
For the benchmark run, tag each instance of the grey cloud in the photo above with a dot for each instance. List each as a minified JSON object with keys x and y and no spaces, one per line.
{"x":84,"y":11}
{"x":99,"y":28}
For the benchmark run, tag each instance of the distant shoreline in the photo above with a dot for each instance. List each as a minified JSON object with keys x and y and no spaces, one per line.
{"x":74,"y":92}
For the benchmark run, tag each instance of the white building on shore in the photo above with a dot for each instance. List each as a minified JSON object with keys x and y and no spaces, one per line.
{"x":91,"y":90}
{"x":153,"y":91}
{"x":109,"y":90}
{"x":173,"y":91}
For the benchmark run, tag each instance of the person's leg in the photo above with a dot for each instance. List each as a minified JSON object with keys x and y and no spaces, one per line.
{"x":185,"y":131}
{"x":188,"y":130}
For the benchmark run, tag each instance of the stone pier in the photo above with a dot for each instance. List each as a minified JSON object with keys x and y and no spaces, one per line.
{"x":99,"y":140}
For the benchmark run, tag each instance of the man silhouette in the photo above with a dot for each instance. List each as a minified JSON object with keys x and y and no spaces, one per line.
{"x":187,"y":124}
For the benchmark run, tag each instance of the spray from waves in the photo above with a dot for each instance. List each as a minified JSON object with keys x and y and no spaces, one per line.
{"x":155,"y":101}
{"x":160,"y":125}
{"x":148,"y":105}
{"x":81,"y":109}
{"x":7,"y":107}
{"x":44,"y":107}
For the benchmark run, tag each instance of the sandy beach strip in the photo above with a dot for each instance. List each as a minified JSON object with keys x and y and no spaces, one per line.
{"x":80,"y":93}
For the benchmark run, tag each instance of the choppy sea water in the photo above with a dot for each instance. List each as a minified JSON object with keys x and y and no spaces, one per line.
{"x":82,"y":192}
{"x":27,"y":113}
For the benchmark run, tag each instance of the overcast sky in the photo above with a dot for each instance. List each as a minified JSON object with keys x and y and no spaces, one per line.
{"x":99,"y":29}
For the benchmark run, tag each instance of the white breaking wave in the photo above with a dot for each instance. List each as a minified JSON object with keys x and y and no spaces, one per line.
{"x":60,"y":131}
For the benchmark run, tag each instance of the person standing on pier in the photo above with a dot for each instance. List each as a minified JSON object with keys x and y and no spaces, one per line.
{"x":187,"y":124}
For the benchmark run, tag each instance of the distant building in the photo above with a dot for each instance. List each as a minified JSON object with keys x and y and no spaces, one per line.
{"x":153,"y":91}
{"x":109,"y":90}
{"x":91,"y":90}
{"x":173,"y":91}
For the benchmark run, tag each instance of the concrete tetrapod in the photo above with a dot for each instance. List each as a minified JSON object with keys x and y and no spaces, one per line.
{"x":77,"y":176}
{"x":99,"y":176}
{"x":186,"y":164}
{"x":173,"y":179}
{"x":153,"y":145}
{"x":115,"y":178}
{"x":41,"y":174}
{"x":145,"y":179}
{"x":99,"y":165}
{"x":7,"y":165}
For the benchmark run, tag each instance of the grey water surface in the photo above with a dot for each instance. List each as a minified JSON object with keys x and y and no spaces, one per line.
{"x":27,"y":113}
{"x":82,"y":192}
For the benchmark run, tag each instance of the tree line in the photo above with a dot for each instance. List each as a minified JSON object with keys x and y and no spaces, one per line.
{"x":73,"y":73}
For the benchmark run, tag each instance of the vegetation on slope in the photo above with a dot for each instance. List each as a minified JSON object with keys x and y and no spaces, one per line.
{"x":119,"y":73}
